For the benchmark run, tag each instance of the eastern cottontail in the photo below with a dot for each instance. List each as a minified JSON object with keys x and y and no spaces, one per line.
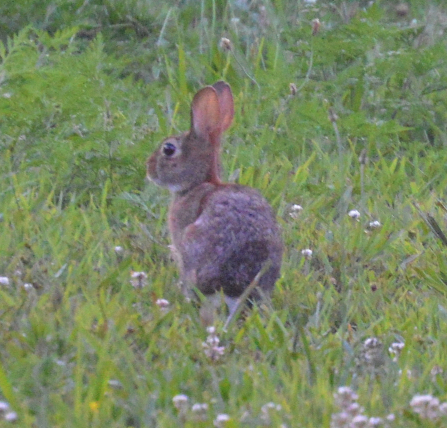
{"x":222,"y":234}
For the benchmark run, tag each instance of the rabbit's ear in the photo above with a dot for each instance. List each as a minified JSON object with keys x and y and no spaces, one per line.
{"x":205,"y":112}
{"x":226,"y":104}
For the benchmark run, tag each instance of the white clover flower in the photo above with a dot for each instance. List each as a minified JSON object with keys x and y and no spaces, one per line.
{"x":11,"y":416}
{"x":138,"y":279}
{"x":346,"y":391}
{"x":354,"y":409}
{"x":433,"y":409}
{"x":211,"y":346}
{"x":295,"y":210}
{"x":200,"y":411}
{"x":271,"y":406}
{"x":267,"y":410}
{"x":375,"y":422}
{"x":138,"y":274}
{"x":225,"y":44}
{"x":344,"y":397}
{"x":340,"y":420}
{"x":27,"y":286}
{"x":359,"y":421}
{"x":180,"y":401}
{"x":4,"y":280}
{"x":443,"y":409}
{"x":374,"y":224}
{"x":212,"y":340}
{"x":372,"y":352}
{"x":307,"y":253}
{"x":419,"y":401}
{"x":199,"y":407}
{"x":4,"y":407}
{"x":162,"y":303}
{"x":351,"y":414}
{"x":372,"y":342}
{"x":435,"y":371}
{"x":346,"y":400}
{"x":213,"y":352}
{"x":221,"y":420}
{"x":119,"y":250}
{"x":395,"y":349}
{"x":354,"y":214}
{"x":426,"y":406}
{"x":391,"y":417}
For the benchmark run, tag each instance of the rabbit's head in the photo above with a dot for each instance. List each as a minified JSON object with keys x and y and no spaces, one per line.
{"x":185,"y":161}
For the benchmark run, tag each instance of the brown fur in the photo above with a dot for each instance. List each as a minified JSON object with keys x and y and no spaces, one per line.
{"x":222,"y":234}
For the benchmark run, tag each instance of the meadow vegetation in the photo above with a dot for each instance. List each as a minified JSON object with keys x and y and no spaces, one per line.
{"x":341,"y":123}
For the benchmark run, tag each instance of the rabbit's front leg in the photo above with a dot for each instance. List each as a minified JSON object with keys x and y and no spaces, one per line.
{"x":188,"y":282}
{"x":187,"y":277}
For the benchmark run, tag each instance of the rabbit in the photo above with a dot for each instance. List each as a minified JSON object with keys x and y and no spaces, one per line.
{"x":222,"y":234}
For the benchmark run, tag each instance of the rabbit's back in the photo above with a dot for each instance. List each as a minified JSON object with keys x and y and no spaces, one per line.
{"x":233,"y":235}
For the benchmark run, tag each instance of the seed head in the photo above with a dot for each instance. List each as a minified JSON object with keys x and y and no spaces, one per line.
{"x":293,"y":89}
{"x":316,"y":24}
{"x":333,"y":117}
{"x":363,"y":158}
{"x":402,"y":9}
{"x":226,"y":44}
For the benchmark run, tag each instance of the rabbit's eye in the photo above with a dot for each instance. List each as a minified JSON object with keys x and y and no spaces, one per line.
{"x":169,"y":149}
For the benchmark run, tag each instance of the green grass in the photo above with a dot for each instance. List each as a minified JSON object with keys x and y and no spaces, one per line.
{"x":87,"y":91}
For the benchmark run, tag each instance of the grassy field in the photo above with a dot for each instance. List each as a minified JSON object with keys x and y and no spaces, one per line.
{"x":341,"y":123}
